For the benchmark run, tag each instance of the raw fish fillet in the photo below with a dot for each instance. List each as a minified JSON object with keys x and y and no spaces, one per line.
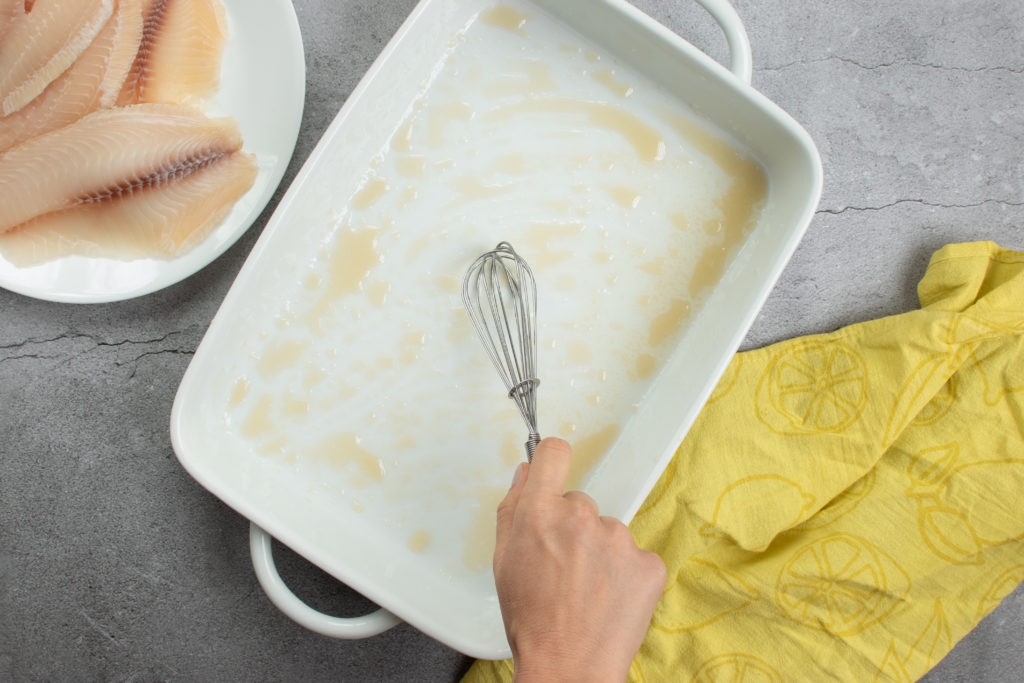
{"x":9,"y":9}
{"x":92,"y":82}
{"x":161,"y":221}
{"x":108,"y":154}
{"x":39,"y":45}
{"x":179,"y":59}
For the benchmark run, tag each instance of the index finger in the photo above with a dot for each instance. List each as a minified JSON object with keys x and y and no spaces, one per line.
{"x":549,"y":468}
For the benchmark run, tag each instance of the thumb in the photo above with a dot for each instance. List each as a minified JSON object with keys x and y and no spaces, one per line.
{"x":507,"y":509}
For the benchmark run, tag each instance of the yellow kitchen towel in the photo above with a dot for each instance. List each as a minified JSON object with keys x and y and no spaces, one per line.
{"x":847,"y":505}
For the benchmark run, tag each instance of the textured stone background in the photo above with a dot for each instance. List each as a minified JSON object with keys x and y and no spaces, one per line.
{"x":115,"y":565}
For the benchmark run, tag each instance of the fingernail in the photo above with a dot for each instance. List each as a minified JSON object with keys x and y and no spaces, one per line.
{"x":517,"y":475}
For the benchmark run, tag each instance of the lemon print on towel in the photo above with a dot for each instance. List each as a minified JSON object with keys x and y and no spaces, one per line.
{"x":702,"y":594}
{"x":736,"y":668}
{"x":843,"y":503}
{"x":934,"y":641}
{"x":813,"y":387}
{"x":753,"y":510}
{"x":965,"y":328}
{"x":925,"y":397}
{"x":840,"y":584}
{"x":958,"y":530}
{"x":1004,"y":584}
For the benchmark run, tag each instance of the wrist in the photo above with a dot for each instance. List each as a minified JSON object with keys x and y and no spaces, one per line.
{"x":540,"y":667}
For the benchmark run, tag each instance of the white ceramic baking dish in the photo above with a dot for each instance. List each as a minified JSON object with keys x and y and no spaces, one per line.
{"x":337,"y":400}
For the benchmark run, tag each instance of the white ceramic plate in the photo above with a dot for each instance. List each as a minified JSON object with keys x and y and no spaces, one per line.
{"x":263,"y":87}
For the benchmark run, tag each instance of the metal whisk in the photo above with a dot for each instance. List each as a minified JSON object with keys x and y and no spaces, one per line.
{"x":501,"y":298}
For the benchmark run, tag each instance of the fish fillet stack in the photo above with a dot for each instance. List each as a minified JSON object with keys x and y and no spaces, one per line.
{"x":104,"y":149}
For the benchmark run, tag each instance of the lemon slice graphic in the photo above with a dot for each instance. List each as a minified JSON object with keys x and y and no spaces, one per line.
{"x":813,"y":387}
{"x":753,"y":510}
{"x":840,"y":584}
{"x":736,"y":668}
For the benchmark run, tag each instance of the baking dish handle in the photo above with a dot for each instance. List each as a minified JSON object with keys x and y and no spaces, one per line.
{"x":735,"y":34}
{"x":286,"y":601}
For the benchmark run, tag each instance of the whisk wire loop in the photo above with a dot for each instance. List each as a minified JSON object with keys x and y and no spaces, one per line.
{"x":500,"y":295}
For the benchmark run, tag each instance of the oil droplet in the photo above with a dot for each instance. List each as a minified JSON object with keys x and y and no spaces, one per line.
{"x":369,"y":195}
{"x":343,"y":449}
{"x":448,"y":283}
{"x":566,"y":428}
{"x":276,"y":358}
{"x":419,"y":541}
{"x":578,"y":352}
{"x":606,"y":77}
{"x":479,"y":535}
{"x":625,"y":196}
{"x":406,"y":443}
{"x":385,"y":362}
{"x":409,"y":195}
{"x":587,"y":451}
{"x":591,"y":56}
{"x":258,"y":422}
{"x":643,"y":300}
{"x":506,"y":17}
{"x":666,"y":324}
{"x":539,"y":237}
{"x":646,"y":364}
{"x":594,"y":399}
{"x":655,"y":267}
{"x":679,"y":220}
{"x":412,"y":343}
{"x":311,"y":281}
{"x":238,"y":392}
{"x":313,"y":377}
{"x":559,"y":206}
{"x":604,"y":257}
{"x":513,"y":163}
{"x":412,"y":166}
{"x":441,"y":115}
{"x":378,"y":292}
{"x":355,"y":255}
{"x":401,"y":142}
{"x":275,"y":447}
{"x":293,"y":406}
{"x":512,"y":451}
{"x":647,"y":142}
{"x":565,"y":282}
{"x":357,"y":506}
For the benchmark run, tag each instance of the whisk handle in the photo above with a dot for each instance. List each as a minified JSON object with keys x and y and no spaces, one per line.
{"x":531,"y":445}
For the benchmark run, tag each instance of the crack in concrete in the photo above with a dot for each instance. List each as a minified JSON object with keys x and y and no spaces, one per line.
{"x":892,"y":64}
{"x":96,"y":343}
{"x":923,"y":202}
{"x":135,"y":361}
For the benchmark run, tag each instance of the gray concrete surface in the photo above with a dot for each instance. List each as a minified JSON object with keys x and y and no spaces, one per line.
{"x":116,"y":566}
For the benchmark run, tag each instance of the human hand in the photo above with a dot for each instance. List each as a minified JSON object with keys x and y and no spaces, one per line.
{"x":576,"y":592}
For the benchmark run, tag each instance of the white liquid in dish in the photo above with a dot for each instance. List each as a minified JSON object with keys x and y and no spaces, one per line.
{"x":626,"y":206}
